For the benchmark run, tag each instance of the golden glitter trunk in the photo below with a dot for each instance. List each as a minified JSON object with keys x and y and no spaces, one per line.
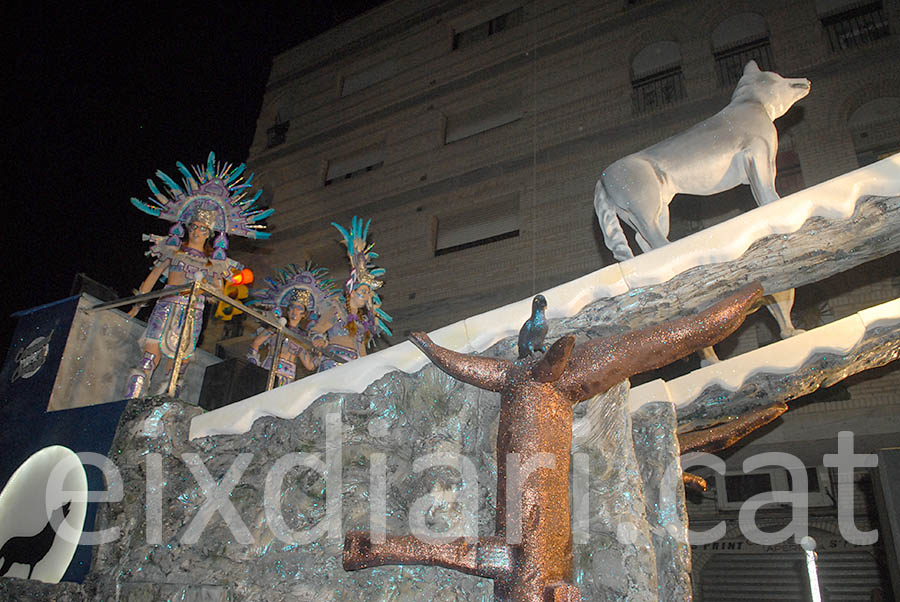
{"x":530,"y":556}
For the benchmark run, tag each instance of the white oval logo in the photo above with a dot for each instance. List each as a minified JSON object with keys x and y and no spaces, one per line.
{"x":31,"y":358}
{"x":42,"y":510}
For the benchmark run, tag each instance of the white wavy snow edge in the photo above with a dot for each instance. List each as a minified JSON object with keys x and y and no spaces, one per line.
{"x":833,"y":199}
{"x":782,"y":357}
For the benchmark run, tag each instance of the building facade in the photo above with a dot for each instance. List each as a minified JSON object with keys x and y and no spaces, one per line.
{"x":472,"y":134}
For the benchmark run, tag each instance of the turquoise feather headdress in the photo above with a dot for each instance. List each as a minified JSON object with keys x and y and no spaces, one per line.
{"x":312,"y":286}
{"x":362,"y":270}
{"x":215,"y":189}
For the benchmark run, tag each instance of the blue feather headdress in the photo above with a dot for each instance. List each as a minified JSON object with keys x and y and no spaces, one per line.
{"x":311,"y":286}
{"x":217,"y":191}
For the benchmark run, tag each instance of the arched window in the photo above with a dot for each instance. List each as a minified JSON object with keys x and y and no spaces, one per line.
{"x":736,"y":41}
{"x":875,"y":128}
{"x":656,"y":77}
{"x":852,"y":23}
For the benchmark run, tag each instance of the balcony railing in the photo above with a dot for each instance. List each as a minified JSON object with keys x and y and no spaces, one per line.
{"x":659,"y":89}
{"x":184,"y":341}
{"x":856,"y":26}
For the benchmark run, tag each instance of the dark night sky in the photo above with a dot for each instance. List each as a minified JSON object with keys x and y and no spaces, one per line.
{"x":103,"y":96}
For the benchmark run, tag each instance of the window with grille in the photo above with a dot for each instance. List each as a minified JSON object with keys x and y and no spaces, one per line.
{"x":730,"y":62}
{"x":855,"y":24}
{"x":657,"y":90}
{"x":735,"y":42}
{"x":483,"y":30}
{"x":656,"y":77}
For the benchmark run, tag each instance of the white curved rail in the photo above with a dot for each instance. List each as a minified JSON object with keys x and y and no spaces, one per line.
{"x":782,"y":357}
{"x":835,"y":198}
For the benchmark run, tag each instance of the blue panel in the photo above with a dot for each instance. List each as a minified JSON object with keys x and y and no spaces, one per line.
{"x":25,"y":388}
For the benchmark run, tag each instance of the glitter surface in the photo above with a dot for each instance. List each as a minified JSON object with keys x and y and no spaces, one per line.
{"x":534,"y":441}
{"x":720,"y":437}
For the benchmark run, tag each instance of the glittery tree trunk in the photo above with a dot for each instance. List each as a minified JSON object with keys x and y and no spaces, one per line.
{"x":530,"y":556}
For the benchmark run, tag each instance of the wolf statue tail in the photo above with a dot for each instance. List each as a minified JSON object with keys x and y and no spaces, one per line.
{"x":613,"y":235}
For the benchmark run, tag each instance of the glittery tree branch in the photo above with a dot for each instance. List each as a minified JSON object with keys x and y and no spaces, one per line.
{"x":530,"y":556}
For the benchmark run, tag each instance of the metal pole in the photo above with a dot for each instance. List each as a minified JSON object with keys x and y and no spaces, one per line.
{"x":185,"y":339}
{"x":163,"y":292}
{"x":812,"y":574}
{"x":276,"y":357}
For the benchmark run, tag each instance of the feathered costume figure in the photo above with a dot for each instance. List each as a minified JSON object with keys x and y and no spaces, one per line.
{"x":354,"y":324}
{"x":211,"y":198}
{"x":298,"y":298}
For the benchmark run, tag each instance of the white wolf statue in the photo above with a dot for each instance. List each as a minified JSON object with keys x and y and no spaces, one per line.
{"x":735,"y":146}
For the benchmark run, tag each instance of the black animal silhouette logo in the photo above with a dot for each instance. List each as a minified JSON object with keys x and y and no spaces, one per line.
{"x":32,"y":549}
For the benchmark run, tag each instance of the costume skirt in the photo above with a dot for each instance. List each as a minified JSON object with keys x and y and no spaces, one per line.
{"x":166,"y":321}
{"x":286,"y":370}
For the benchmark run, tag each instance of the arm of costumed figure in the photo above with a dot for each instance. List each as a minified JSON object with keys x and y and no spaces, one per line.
{"x":483,"y":372}
{"x":596,"y":366}
{"x":148,"y":283}
{"x":488,"y":557}
{"x":724,"y":436}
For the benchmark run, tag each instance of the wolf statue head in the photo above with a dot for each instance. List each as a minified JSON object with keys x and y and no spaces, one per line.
{"x":775,"y":93}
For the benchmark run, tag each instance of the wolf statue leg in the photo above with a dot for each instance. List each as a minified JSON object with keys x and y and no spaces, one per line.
{"x":652,"y":232}
{"x":780,"y":308}
{"x":613,"y":235}
{"x":759,"y":165}
{"x":140,"y":376}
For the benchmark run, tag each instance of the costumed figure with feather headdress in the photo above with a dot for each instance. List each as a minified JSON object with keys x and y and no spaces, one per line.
{"x":296,"y":297}
{"x":354,"y":324}
{"x":212,"y":198}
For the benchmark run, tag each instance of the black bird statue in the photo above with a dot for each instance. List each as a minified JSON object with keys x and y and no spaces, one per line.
{"x":533,"y":331}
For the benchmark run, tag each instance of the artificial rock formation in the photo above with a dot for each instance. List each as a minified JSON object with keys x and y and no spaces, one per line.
{"x":629,"y":538}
